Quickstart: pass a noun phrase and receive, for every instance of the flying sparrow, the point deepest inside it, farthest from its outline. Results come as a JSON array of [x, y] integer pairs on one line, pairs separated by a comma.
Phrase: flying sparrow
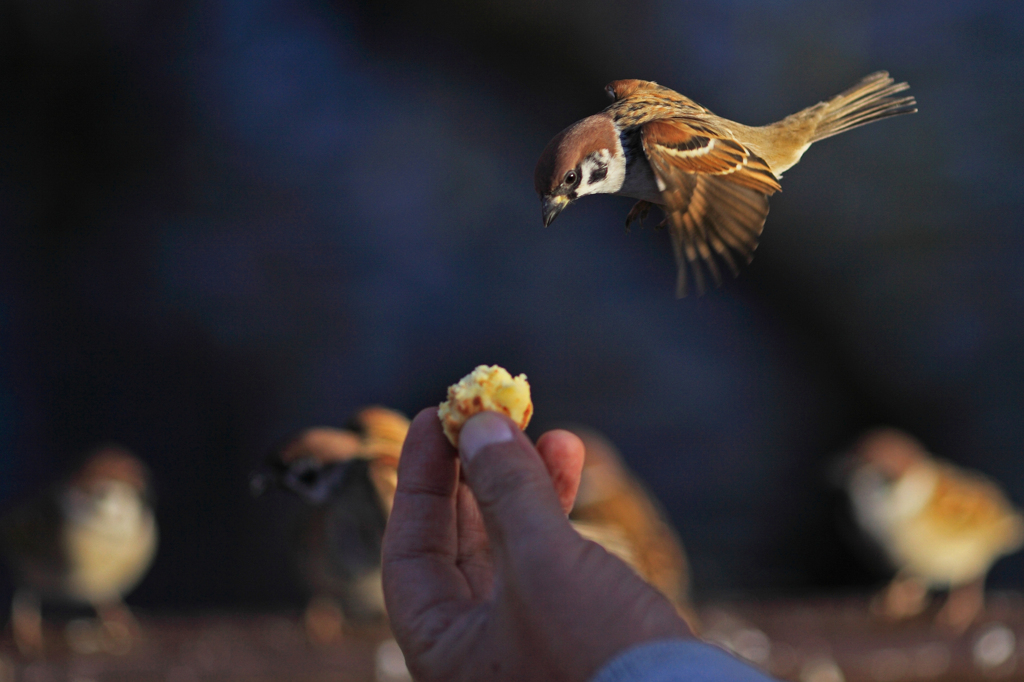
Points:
[[89, 540], [615, 510], [941, 526], [711, 176], [347, 477]]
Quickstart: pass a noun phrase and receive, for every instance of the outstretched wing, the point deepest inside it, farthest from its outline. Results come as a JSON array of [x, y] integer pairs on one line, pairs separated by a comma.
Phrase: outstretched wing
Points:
[[715, 192]]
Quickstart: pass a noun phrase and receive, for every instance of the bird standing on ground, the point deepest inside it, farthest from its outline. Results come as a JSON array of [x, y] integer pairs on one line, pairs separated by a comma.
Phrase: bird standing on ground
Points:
[[615, 510], [710, 175], [940, 525], [89, 540], [348, 478]]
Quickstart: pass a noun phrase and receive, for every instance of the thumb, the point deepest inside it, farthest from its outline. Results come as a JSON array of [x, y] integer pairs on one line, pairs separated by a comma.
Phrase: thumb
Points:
[[511, 485]]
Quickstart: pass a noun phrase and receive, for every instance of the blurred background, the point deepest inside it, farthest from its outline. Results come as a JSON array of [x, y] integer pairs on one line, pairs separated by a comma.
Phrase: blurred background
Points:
[[223, 221]]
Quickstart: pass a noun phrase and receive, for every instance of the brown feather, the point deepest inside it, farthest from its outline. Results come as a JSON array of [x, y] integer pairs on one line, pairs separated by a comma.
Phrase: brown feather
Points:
[[628, 87], [618, 512], [714, 201], [682, 147], [869, 100]]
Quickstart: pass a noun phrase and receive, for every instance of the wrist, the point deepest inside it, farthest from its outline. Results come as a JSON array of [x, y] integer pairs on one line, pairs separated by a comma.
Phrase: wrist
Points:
[[670, 660]]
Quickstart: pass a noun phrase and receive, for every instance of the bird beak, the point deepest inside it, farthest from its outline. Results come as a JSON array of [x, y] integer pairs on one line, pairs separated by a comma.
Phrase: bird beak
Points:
[[291, 478], [551, 206], [262, 480]]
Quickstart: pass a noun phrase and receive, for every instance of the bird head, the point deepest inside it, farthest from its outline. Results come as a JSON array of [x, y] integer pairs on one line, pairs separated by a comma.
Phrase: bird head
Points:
[[315, 463], [585, 158], [111, 463], [891, 452], [310, 465], [110, 490]]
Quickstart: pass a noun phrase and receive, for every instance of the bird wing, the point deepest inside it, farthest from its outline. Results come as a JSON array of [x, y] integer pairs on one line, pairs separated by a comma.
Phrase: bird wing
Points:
[[967, 503], [715, 191], [31, 538], [623, 89]]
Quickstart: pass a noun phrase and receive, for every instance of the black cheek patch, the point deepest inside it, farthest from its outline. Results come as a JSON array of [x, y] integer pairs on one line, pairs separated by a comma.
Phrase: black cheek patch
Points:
[[599, 174]]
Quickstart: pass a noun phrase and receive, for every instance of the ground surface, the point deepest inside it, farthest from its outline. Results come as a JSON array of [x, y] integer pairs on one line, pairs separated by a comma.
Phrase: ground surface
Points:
[[833, 640]]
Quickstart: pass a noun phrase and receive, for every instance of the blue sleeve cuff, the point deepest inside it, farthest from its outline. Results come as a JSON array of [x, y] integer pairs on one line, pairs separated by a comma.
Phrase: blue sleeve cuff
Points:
[[677, 660]]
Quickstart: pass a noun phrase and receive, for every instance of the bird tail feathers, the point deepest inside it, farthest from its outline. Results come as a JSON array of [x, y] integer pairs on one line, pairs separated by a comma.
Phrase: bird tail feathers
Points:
[[872, 99]]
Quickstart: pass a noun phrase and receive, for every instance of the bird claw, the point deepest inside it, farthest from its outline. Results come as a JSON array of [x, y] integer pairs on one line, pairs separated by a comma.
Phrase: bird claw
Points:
[[27, 624], [904, 597], [638, 213], [324, 620], [119, 625], [963, 605]]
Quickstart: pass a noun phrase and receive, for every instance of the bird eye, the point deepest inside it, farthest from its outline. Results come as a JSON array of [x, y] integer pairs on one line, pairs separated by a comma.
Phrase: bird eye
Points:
[[570, 178], [303, 472]]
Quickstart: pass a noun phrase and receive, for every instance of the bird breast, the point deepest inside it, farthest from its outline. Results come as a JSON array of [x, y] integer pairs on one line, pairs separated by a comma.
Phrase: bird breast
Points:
[[108, 558], [639, 181], [942, 526]]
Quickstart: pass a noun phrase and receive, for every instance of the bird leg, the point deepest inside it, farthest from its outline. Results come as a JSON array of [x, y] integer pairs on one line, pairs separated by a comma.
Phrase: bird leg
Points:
[[324, 620], [905, 597], [638, 213], [27, 624], [962, 606], [119, 625]]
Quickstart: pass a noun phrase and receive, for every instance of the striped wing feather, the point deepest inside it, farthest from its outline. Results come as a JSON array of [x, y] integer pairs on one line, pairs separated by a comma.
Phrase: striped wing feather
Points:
[[715, 191]]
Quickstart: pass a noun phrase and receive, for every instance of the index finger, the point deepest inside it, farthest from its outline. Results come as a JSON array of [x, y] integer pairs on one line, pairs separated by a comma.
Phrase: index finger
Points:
[[421, 537]]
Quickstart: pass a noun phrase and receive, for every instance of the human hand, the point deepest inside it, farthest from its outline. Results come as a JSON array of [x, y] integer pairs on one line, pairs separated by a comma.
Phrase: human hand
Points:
[[485, 579]]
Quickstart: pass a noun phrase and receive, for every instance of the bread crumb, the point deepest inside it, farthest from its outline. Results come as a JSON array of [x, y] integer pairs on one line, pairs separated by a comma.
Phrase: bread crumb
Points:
[[485, 389]]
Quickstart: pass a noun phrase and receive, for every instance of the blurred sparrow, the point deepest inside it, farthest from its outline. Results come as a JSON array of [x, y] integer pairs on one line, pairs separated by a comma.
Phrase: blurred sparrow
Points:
[[89, 540], [940, 525], [348, 478], [614, 510], [711, 176]]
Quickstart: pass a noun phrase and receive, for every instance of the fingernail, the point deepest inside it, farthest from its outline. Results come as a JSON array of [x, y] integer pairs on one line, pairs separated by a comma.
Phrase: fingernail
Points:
[[480, 431]]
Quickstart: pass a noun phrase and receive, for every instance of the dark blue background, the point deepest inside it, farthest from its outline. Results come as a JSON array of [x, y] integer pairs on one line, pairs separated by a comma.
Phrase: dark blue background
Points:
[[221, 221]]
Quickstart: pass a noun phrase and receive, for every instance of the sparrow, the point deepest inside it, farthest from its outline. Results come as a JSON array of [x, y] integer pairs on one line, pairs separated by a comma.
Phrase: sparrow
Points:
[[711, 176], [88, 540], [940, 525], [614, 509], [347, 478]]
